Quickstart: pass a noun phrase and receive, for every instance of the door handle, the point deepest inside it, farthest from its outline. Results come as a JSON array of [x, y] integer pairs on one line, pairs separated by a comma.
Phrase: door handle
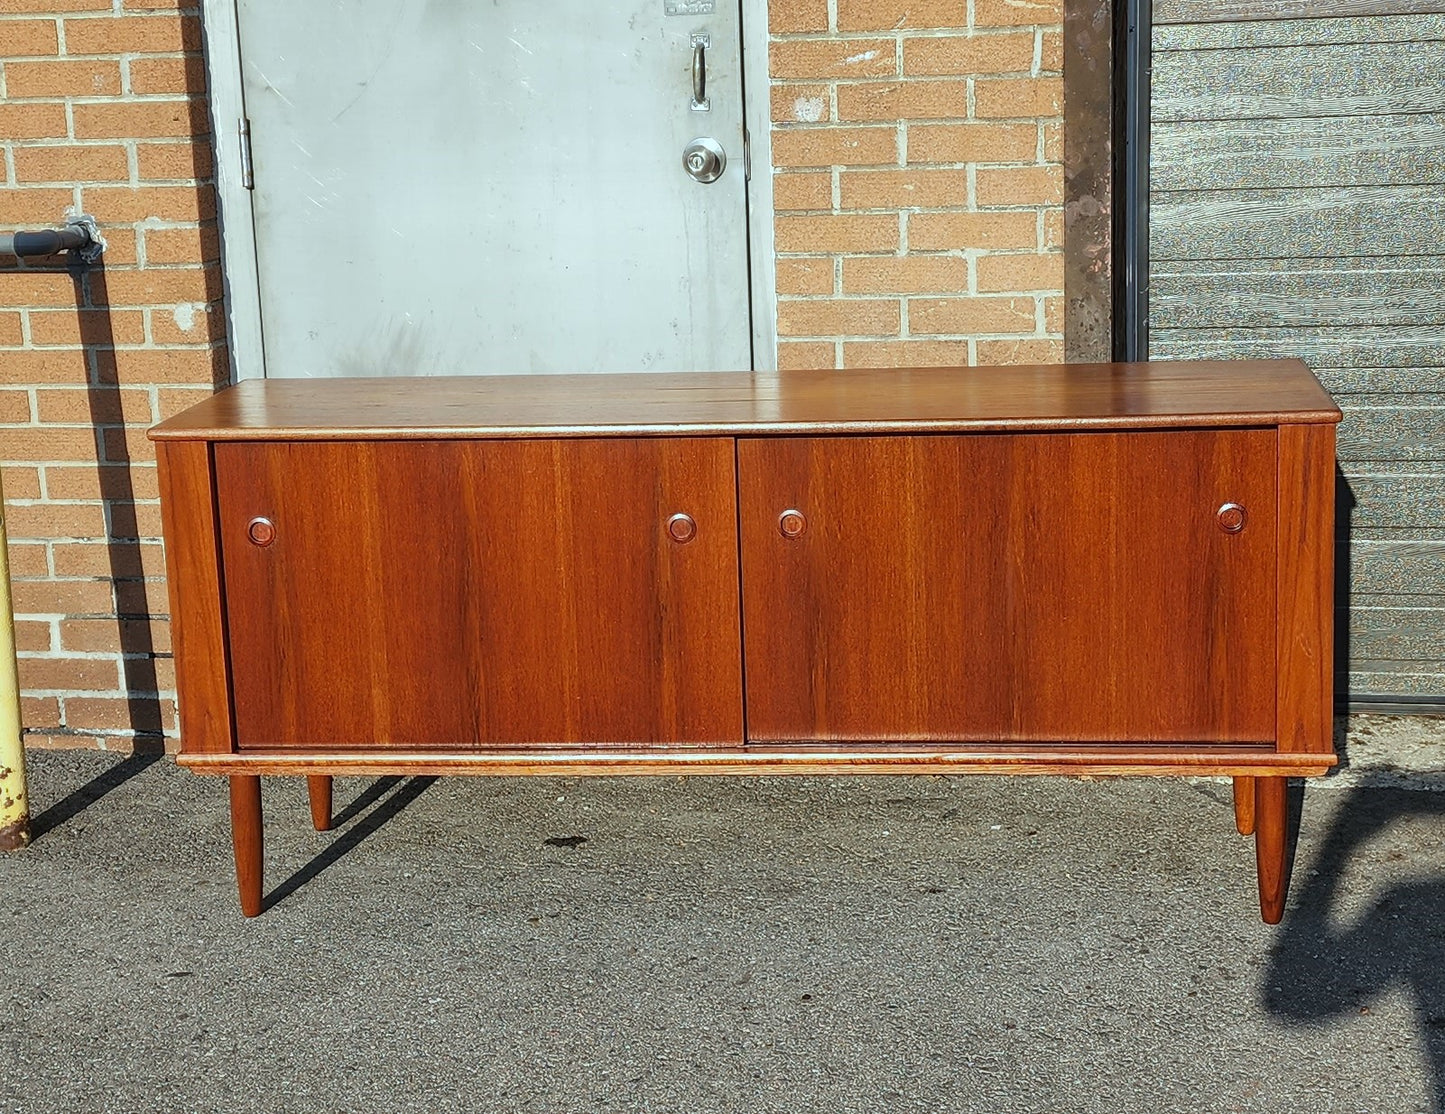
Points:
[[700, 43]]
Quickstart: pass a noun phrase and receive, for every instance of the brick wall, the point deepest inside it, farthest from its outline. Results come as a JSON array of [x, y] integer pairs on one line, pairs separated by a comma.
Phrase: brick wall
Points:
[[918, 185], [102, 111], [919, 221]]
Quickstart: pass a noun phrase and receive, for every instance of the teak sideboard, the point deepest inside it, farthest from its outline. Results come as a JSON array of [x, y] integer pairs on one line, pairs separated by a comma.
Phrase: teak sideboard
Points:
[[1081, 569]]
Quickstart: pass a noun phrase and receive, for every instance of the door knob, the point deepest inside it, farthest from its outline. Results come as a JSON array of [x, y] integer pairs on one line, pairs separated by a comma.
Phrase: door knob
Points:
[[704, 159], [682, 528], [791, 523]]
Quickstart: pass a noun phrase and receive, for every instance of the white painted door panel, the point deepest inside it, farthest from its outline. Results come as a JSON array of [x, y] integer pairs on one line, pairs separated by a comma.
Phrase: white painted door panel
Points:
[[464, 187]]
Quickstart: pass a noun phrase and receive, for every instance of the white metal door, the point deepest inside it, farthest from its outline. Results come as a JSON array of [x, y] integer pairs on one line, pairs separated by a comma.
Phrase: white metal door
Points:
[[452, 187]]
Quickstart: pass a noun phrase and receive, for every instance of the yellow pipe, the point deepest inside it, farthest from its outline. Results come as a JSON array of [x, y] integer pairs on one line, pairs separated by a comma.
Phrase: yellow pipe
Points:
[[14, 804]]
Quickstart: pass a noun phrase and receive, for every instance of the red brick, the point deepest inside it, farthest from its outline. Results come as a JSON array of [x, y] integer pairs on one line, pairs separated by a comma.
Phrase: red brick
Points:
[[805, 276], [878, 15], [168, 75], [75, 162], [44, 521], [811, 59], [137, 203], [970, 316], [128, 445], [170, 401], [966, 55], [902, 189], [902, 100], [141, 597], [174, 161], [1052, 55], [207, 324], [32, 121], [1018, 13], [1021, 351], [960, 143], [805, 355], [48, 443], [802, 191], [144, 366], [792, 16], [851, 317], [1021, 185], [799, 104], [116, 713], [8, 7], [164, 286], [90, 326], [47, 365], [194, 244], [835, 146], [32, 636], [158, 34], [69, 674], [831, 233], [33, 205], [1018, 96], [10, 333], [29, 38], [109, 481], [39, 711], [22, 481], [121, 559], [906, 353], [113, 635], [14, 410], [147, 673], [955, 231], [149, 119], [62, 79], [1021, 272], [905, 275], [28, 559]]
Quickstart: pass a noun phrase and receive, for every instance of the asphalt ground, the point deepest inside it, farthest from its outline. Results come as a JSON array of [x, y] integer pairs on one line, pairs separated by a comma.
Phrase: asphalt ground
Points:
[[719, 944]]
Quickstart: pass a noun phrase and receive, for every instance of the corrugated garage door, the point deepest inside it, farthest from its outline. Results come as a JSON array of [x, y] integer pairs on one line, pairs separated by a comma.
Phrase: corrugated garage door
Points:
[[1297, 207]]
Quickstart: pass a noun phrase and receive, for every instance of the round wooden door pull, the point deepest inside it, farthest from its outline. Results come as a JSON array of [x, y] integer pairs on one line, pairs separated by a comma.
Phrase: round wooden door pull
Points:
[[791, 523], [261, 531], [1231, 518], [682, 528]]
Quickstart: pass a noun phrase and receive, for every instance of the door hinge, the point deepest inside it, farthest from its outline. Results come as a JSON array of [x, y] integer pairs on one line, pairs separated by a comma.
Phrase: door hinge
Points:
[[248, 180], [747, 156]]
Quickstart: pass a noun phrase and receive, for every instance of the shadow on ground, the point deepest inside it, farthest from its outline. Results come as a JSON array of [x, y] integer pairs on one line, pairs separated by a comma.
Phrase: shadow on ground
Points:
[[1325, 964]]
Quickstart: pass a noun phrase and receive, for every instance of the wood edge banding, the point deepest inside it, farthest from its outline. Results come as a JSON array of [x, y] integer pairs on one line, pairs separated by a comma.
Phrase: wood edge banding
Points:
[[1239, 762]]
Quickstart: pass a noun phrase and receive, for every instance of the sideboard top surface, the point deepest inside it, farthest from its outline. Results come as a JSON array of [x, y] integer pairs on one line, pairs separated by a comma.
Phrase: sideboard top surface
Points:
[[1175, 394]]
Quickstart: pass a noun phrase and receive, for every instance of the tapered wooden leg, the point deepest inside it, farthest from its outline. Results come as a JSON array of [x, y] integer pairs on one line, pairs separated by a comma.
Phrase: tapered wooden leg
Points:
[[1270, 845], [246, 838], [318, 788], [1244, 805]]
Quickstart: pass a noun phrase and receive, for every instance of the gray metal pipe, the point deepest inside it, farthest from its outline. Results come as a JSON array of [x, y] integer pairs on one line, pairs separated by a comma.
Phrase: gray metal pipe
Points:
[[80, 235]]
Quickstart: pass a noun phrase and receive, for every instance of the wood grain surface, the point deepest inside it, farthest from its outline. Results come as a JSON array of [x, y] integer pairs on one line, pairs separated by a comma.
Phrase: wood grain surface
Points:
[[248, 840], [458, 593], [909, 400], [1037, 586], [1306, 588], [1042, 758], [1271, 845], [193, 581]]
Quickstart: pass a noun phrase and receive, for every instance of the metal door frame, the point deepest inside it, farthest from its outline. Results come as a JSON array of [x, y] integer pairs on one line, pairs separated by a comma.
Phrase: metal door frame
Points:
[[221, 31]]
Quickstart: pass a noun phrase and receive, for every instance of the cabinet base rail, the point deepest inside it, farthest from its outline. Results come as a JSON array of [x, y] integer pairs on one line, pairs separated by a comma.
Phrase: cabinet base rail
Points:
[[1096, 761]]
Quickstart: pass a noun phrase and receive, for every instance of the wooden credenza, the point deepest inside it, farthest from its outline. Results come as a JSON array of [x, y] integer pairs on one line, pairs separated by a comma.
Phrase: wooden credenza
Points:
[[1086, 569]]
